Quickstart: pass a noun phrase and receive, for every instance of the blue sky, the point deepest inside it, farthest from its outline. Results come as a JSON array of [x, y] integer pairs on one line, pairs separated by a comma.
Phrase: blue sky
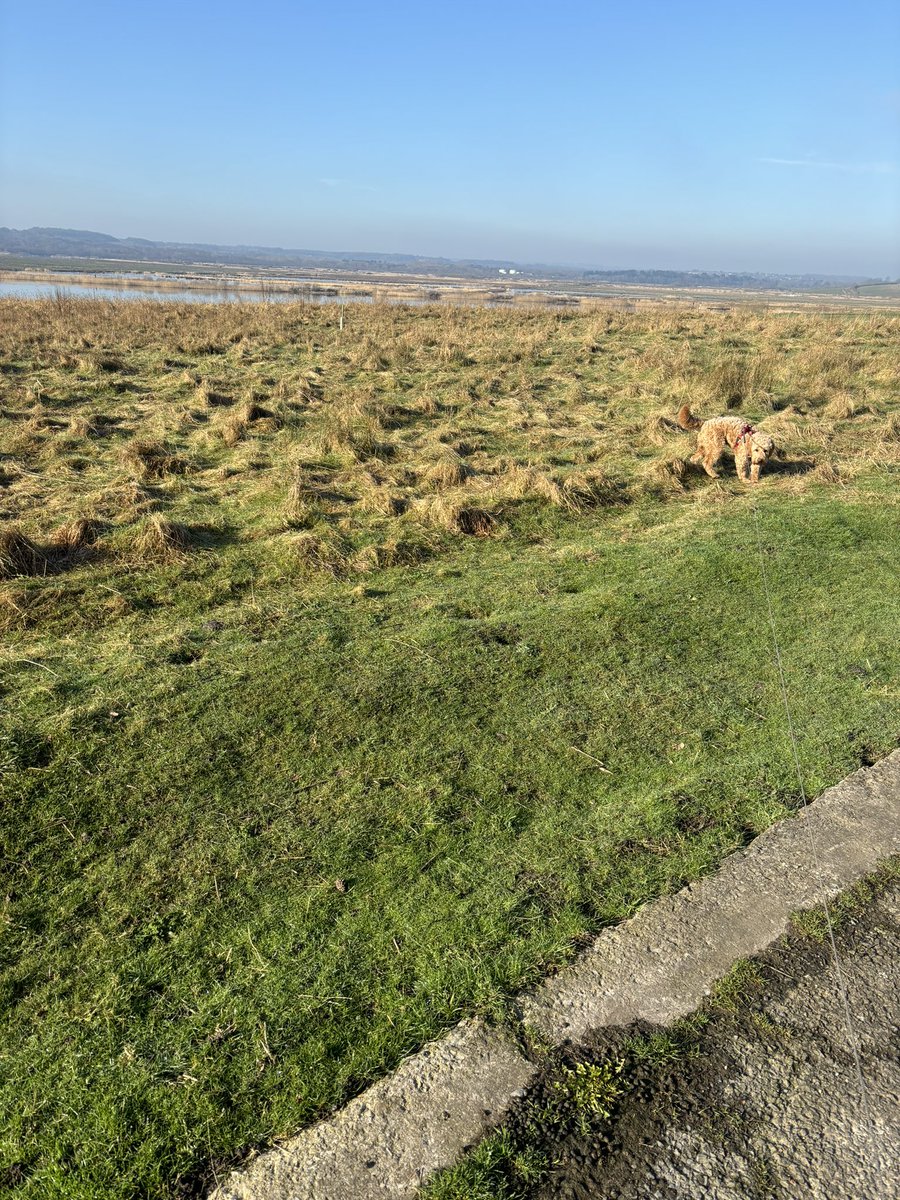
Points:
[[683, 134]]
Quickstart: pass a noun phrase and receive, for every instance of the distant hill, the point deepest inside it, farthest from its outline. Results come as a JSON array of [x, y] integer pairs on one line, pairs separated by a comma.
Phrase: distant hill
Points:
[[82, 244]]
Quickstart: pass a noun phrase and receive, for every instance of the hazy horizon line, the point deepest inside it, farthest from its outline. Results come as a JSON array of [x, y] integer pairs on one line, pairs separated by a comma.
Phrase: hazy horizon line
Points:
[[570, 265]]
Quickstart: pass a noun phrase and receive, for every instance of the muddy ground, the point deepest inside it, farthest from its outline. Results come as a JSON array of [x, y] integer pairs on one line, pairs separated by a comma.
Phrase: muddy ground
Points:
[[762, 1099]]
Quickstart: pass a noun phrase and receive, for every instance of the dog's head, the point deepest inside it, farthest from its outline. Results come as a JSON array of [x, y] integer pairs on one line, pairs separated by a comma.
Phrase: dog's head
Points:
[[761, 447]]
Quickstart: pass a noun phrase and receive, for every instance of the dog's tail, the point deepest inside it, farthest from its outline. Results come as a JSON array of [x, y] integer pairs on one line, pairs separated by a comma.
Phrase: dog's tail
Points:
[[686, 418]]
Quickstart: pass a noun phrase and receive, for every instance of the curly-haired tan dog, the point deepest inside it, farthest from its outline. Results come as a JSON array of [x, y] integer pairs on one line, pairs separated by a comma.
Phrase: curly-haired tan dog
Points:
[[749, 445]]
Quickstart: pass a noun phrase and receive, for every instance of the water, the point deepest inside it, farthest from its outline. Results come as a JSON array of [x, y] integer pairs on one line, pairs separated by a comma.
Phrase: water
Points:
[[28, 290], [119, 287]]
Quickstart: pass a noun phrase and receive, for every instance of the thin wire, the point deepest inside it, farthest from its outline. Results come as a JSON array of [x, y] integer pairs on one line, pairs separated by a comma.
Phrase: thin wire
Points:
[[842, 986]]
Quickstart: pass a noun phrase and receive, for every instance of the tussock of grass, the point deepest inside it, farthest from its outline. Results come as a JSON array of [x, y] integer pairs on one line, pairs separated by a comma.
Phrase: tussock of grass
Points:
[[661, 429], [82, 427], [22, 445], [477, 522], [370, 356], [451, 471], [404, 551], [236, 425], [320, 552], [453, 354], [515, 481], [669, 473], [354, 427], [841, 408], [19, 555], [90, 364], [13, 607], [384, 501], [125, 501], [591, 488], [74, 535], [733, 381], [301, 496], [39, 419], [247, 417], [829, 472], [458, 517], [152, 459], [158, 540]]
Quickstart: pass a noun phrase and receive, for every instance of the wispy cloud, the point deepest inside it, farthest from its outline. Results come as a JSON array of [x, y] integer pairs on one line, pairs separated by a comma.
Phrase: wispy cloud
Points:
[[876, 168], [347, 184]]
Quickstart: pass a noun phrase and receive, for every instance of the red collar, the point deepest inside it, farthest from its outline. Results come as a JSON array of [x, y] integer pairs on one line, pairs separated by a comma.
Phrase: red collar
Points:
[[746, 431]]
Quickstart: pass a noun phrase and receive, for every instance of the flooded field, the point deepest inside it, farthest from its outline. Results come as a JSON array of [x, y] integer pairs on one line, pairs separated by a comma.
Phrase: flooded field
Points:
[[131, 290], [412, 291]]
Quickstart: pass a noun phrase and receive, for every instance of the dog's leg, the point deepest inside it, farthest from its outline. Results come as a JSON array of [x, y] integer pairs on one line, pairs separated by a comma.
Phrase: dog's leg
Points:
[[709, 466], [709, 451], [712, 452], [741, 462], [754, 472]]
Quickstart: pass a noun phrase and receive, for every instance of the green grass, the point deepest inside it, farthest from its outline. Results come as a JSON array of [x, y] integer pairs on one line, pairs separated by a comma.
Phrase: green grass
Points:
[[817, 922], [271, 820], [498, 1168], [517, 1155]]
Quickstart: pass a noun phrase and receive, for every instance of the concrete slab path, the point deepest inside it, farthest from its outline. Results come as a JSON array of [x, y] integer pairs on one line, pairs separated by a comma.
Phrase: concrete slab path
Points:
[[656, 967]]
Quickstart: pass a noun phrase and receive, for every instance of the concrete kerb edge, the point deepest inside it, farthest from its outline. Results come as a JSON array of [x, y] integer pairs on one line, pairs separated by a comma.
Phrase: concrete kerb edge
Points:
[[658, 966]]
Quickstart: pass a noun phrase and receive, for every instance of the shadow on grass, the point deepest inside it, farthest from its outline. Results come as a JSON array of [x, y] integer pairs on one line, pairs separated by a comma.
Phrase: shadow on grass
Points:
[[790, 466]]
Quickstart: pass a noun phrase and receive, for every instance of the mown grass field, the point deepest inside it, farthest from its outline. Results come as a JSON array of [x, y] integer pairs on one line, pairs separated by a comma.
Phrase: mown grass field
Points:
[[349, 676]]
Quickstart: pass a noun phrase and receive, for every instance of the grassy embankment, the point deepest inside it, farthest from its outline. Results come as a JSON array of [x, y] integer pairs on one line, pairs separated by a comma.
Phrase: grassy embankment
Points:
[[319, 645]]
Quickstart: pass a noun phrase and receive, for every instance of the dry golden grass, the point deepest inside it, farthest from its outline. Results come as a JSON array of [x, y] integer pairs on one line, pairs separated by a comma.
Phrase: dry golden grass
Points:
[[456, 516], [669, 473], [301, 494], [383, 500], [74, 535], [158, 540], [18, 554], [153, 418], [321, 552], [83, 427], [591, 488], [841, 407], [661, 429], [152, 459], [450, 471], [248, 418], [515, 481]]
